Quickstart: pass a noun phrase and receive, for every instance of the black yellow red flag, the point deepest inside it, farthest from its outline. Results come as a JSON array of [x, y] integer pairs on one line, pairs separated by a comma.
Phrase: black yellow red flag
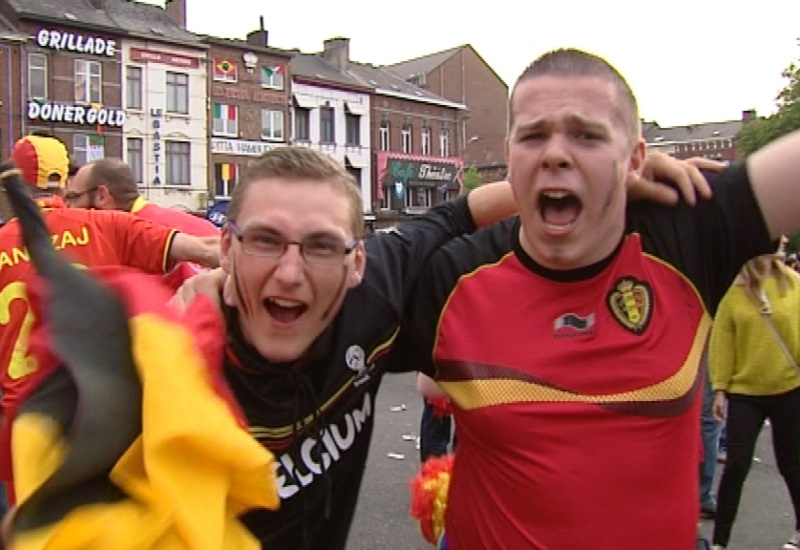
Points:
[[127, 436]]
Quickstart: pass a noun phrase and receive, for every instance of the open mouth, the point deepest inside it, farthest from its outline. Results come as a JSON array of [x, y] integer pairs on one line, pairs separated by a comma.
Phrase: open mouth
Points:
[[559, 209], [284, 311]]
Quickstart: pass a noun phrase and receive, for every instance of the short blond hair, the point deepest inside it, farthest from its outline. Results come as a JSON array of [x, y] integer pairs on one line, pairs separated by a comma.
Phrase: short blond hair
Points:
[[295, 163]]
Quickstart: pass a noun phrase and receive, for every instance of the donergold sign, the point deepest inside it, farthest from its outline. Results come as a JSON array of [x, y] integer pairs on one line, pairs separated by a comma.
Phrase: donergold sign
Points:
[[76, 114]]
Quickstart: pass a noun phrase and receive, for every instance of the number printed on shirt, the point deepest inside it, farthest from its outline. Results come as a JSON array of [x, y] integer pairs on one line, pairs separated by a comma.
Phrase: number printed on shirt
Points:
[[21, 364]]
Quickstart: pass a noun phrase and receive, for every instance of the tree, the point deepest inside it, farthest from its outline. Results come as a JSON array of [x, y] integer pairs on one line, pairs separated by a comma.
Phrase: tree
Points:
[[472, 178], [757, 133]]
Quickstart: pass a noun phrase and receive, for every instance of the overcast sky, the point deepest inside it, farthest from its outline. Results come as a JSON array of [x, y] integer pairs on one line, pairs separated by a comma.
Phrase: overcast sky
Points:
[[688, 61]]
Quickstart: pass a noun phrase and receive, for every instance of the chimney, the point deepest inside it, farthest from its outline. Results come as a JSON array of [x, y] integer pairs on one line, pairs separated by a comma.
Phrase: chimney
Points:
[[748, 115], [337, 52], [176, 10], [259, 37]]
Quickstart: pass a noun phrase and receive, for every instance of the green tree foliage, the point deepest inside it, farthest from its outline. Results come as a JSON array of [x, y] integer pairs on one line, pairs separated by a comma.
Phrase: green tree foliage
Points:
[[472, 178], [759, 132]]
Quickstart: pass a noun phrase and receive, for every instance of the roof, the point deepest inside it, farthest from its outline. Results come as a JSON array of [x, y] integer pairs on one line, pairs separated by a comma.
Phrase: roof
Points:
[[388, 83], [653, 133], [314, 67], [8, 30], [422, 65], [123, 17], [149, 21], [80, 13], [245, 45]]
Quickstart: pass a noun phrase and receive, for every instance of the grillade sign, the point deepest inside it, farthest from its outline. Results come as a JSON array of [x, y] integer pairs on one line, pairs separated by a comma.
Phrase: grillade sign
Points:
[[76, 43]]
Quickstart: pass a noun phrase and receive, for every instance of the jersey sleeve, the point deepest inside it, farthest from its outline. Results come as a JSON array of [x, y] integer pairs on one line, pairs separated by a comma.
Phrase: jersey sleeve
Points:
[[711, 241], [141, 243], [395, 259]]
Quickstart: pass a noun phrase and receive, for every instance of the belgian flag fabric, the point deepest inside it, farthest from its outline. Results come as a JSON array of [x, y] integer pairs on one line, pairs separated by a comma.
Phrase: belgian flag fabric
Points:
[[128, 437]]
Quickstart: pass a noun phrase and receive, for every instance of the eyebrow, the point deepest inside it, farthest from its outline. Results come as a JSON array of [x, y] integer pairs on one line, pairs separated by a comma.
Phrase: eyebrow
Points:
[[572, 119], [263, 228]]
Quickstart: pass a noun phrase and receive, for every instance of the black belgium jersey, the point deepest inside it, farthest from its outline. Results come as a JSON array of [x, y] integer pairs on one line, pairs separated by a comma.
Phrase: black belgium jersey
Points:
[[317, 416]]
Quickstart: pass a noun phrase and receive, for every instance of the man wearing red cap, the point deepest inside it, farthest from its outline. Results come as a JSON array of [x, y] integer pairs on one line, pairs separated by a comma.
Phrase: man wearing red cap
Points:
[[109, 184], [90, 238]]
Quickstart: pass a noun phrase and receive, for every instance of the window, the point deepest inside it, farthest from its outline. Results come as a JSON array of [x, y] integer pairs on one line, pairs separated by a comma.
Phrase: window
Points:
[[226, 120], [383, 136], [177, 93], [426, 140], [88, 81], [87, 148], [386, 197], [178, 163], [444, 143], [272, 77], [271, 124], [302, 121], [134, 87], [135, 158], [418, 197], [225, 178], [37, 76], [405, 135], [451, 194], [353, 126], [326, 127], [356, 173]]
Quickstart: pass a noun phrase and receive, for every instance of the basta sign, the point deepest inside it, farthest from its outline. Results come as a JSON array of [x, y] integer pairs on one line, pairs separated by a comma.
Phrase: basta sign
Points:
[[77, 43], [76, 114]]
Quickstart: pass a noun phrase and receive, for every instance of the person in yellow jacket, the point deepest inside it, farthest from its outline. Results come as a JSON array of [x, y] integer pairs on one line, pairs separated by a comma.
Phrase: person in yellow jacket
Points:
[[753, 368]]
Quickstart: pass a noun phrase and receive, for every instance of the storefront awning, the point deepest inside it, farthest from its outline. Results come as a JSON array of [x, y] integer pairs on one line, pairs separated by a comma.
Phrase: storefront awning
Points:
[[357, 161], [354, 108], [304, 101]]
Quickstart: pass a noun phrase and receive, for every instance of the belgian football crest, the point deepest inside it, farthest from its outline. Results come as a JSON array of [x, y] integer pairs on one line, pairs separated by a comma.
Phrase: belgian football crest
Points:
[[631, 303]]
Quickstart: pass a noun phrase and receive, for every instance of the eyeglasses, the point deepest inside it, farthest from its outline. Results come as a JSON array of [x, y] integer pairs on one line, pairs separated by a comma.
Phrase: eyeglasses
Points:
[[322, 250], [72, 196]]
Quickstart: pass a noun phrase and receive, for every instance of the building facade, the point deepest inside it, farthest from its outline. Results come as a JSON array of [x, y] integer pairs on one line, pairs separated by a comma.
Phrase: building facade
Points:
[[248, 114], [713, 140], [462, 76], [11, 94], [417, 146], [71, 84], [165, 124], [331, 113]]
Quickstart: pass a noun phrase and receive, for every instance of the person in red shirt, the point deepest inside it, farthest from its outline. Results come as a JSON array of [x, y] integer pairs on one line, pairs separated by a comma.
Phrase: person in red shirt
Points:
[[88, 238], [109, 184]]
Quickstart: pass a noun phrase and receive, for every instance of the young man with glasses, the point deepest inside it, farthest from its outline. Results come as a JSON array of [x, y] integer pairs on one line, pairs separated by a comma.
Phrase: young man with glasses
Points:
[[311, 311]]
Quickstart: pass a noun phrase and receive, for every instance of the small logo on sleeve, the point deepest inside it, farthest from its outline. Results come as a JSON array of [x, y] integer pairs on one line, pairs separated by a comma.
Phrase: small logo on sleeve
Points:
[[631, 304]]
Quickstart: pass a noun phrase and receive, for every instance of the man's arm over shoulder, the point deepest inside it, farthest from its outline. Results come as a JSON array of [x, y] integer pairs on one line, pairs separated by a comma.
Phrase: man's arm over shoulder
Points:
[[153, 247], [774, 172]]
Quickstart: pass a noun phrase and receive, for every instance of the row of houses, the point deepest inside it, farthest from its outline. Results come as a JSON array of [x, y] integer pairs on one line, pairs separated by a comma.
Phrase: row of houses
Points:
[[187, 111]]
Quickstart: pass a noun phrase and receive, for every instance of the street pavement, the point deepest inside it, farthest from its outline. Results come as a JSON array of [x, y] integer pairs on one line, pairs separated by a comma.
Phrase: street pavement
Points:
[[382, 521]]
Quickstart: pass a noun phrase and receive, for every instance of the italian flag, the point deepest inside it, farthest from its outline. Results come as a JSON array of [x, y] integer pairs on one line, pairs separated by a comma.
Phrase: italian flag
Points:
[[224, 112], [270, 71]]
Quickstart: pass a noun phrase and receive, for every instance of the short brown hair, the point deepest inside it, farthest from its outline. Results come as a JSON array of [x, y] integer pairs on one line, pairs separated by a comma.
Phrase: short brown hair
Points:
[[577, 63], [300, 163], [117, 177]]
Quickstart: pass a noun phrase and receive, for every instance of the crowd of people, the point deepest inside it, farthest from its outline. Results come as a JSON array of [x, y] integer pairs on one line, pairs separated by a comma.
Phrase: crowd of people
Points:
[[564, 322]]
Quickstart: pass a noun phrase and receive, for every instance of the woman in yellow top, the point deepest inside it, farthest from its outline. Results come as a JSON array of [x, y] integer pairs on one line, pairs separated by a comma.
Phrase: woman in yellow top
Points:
[[757, 380]]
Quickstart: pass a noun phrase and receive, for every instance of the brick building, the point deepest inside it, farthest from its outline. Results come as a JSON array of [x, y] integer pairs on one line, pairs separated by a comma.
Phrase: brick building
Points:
[[461, 75], [71, 77], [714, 140], [417, 144], [11, 94], [250, 90]]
